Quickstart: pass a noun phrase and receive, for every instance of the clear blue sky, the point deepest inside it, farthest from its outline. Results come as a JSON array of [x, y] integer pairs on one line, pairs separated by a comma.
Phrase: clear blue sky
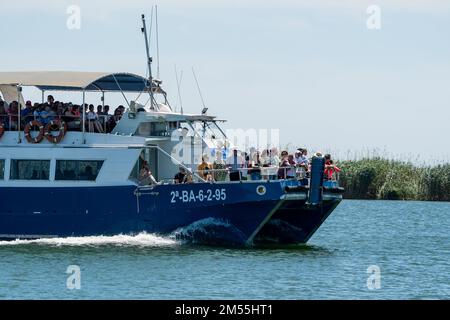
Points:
[[310, 68]]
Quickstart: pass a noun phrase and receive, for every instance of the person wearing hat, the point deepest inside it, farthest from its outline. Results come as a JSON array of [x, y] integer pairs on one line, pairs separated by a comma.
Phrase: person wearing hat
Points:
[[298, 155], [301, 157], [302, 162], [27, 113]]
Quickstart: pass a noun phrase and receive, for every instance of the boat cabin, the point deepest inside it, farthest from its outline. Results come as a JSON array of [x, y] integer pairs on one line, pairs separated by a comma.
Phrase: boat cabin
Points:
[[152, 131]]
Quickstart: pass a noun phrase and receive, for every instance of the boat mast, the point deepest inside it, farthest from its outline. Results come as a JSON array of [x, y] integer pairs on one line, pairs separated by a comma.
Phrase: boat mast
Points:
[[149, 59]]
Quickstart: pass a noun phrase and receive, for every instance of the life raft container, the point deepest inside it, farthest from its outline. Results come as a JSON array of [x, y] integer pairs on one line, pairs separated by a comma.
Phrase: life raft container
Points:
[[28, 128], [55, 125]]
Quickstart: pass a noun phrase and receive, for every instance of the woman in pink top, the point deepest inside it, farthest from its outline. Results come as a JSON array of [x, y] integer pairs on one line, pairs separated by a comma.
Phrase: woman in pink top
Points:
[[330, 169]]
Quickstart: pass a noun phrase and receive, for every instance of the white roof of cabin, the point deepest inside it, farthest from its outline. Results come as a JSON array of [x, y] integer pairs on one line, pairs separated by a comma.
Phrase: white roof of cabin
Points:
[[70, 80]]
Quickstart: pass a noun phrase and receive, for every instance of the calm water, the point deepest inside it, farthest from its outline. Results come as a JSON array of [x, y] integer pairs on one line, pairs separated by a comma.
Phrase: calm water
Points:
[[409, 241]]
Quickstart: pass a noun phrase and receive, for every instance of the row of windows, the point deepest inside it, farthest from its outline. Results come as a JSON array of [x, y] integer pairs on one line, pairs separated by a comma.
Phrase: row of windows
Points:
[[66, 170]]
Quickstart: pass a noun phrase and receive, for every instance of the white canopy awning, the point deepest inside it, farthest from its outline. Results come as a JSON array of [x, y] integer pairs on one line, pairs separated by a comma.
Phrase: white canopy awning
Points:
[[77, 81], [10, 93]]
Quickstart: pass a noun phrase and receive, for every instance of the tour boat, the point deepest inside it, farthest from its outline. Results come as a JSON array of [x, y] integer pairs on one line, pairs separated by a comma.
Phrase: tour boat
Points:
[[61, 180]]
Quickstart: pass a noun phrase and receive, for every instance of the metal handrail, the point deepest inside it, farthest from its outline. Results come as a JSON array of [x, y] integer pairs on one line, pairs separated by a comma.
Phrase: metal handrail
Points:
[[246, 172], [8, 126], [299, 173]]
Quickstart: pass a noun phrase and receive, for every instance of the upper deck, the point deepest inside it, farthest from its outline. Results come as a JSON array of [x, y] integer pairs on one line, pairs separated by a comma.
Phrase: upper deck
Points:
[[157, 121]]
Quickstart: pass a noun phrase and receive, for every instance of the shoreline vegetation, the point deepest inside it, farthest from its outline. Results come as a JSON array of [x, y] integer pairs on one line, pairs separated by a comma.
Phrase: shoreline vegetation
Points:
[[382, 179]]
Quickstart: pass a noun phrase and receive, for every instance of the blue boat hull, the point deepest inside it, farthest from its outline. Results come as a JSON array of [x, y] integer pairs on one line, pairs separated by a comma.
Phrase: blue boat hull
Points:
[[229, 213], [87, 211]]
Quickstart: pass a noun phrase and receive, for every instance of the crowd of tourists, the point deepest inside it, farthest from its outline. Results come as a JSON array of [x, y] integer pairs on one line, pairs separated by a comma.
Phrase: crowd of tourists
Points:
[[266, 165], [97, 119]]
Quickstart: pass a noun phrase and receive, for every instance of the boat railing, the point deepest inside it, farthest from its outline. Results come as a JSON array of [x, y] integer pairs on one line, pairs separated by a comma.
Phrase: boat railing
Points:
[[8, 122], [271, 173], [333, 181], [253, 174], [73, 122]]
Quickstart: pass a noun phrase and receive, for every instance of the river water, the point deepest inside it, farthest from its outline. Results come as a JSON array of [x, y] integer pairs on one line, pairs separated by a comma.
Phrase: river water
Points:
[[365, 250]]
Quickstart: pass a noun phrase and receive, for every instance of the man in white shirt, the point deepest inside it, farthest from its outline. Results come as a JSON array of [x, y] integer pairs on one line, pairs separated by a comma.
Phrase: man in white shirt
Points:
[[301, 157], [234, 161]]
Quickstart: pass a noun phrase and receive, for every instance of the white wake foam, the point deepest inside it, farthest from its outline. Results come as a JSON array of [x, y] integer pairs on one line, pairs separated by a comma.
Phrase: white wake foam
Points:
[[142, 240]]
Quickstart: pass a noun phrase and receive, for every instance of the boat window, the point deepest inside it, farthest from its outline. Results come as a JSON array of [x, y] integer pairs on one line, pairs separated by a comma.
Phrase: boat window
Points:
[[30, 169], [156, 129], [75, 170], [2, 169]]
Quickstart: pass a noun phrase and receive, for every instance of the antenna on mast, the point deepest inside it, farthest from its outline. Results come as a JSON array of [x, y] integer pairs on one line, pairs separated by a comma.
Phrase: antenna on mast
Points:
[[157, 42], [205, 109], [150, 33], [178, 86], [149, 59]]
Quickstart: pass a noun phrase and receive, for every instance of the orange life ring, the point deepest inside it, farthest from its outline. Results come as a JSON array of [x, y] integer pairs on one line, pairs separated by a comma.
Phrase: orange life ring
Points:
[[27, 130], [2, 130], [61, 126]]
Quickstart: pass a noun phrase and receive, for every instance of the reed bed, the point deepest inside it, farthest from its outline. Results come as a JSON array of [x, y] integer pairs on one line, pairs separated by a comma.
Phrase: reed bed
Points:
[[378, 178]]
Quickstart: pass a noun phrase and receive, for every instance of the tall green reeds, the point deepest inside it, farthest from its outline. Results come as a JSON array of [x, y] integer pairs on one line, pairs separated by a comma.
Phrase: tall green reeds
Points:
[[379, 178]]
